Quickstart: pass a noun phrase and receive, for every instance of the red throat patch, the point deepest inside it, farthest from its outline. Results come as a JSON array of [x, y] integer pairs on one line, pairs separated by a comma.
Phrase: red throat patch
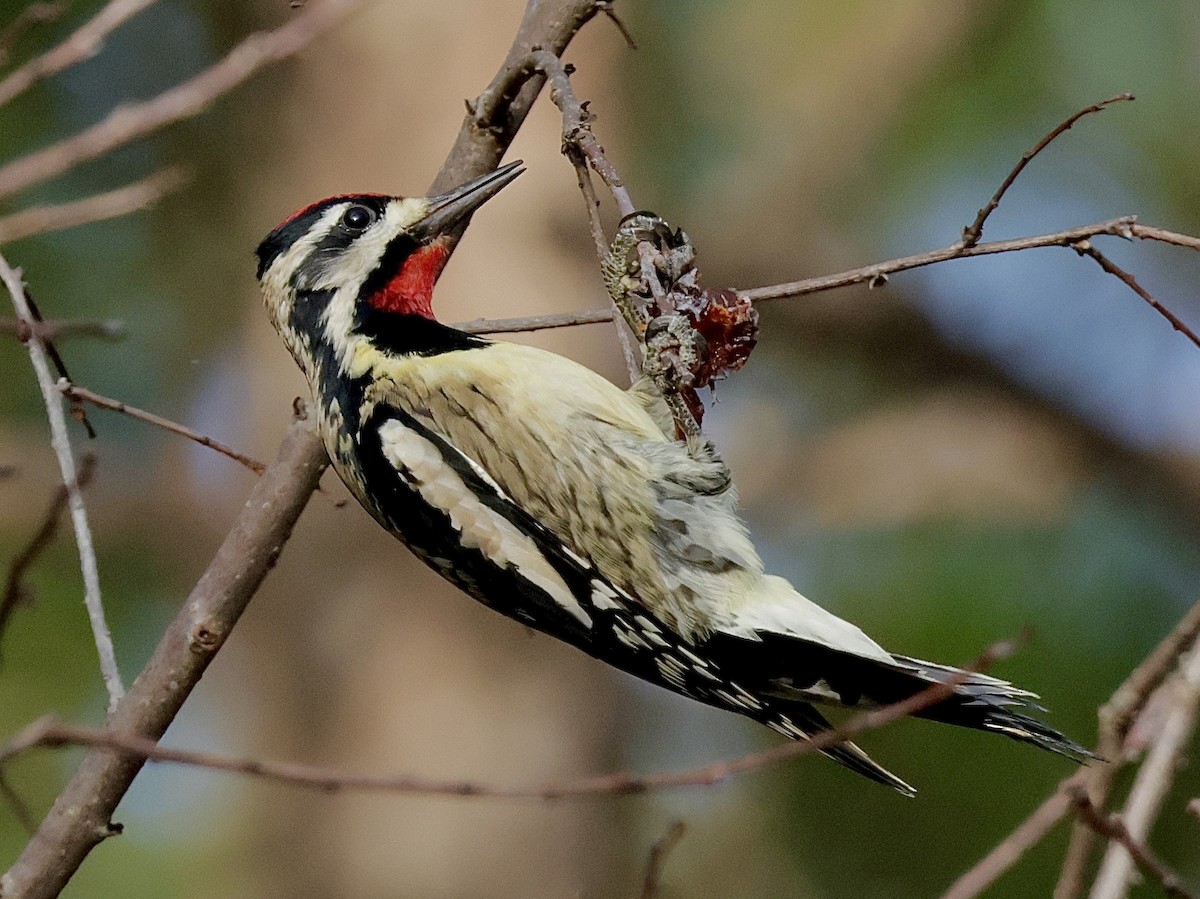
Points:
[[411, 290]]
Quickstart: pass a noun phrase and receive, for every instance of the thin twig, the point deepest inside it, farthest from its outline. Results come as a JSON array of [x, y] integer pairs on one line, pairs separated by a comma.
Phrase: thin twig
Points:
[[536, 322], [974, 231], [80, 817], [31, 16], [577, 128], [1149, 232], [84, 395], [1116, 717], [19, 809], [625, 338], [590, 200], [136, 120], [1120, 227], [98, 208], [1125, 227], [1009, 851], [1085, 248], [15, 590], [82, 812], [658, 858], [64, 329], [61, 442], [606, 7], [84, 43], [1153, 781], [1145, 858], [48, 732]]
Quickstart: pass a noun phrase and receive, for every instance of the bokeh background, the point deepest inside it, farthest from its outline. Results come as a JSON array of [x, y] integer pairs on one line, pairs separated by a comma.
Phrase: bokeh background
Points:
[[975, 448]]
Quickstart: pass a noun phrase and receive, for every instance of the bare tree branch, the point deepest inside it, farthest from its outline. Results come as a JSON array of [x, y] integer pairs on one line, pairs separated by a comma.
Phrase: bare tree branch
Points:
[[61, 442], [1009, 851], [974, 231], [98, 208], [658, 858], [1132, 847], [496, 115], [1126, 227], [36, 13], [1150, 787], [81, 816], [83, 44], [129, 123], [83, 394], [1085, 248], [47, 732], [1116, 717], [15, 590], [63, 329], [577, 127]]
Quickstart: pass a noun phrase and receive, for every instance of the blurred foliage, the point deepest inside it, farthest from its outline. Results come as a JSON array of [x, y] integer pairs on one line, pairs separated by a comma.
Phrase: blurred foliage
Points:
[[1102, 582]]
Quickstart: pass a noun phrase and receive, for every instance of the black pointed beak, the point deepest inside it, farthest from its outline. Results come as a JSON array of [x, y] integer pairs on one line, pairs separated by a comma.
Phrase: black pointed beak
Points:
[[452, 209]]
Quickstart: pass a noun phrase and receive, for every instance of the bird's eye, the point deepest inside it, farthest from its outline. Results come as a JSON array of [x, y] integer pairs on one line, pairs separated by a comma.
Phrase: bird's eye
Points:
[[358, 218]]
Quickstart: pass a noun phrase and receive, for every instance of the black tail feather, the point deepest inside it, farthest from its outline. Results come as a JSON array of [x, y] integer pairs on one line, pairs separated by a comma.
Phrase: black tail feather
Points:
[[802, 721], [790, 673], [988, 703]]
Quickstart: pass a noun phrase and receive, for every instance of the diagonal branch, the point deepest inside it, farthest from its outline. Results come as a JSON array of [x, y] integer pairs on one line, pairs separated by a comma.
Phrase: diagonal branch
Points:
[[15, 590], [39, 12], [129, 123], [84, 43], [47, 732], [80, 818], [75, 392], [81, 815], [1085, 248], [61, 442], [974, 231], [1119, 835], [109, 205], [1116, 718], [1153, 781], [658, 858], [1009, 851]]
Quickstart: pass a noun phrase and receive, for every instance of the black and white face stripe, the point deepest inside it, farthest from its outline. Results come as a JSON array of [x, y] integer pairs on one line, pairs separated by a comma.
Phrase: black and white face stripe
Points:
[[333, 232]]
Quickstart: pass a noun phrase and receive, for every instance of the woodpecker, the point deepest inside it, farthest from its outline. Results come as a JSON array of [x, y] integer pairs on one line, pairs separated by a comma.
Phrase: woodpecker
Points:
[[562, 501]]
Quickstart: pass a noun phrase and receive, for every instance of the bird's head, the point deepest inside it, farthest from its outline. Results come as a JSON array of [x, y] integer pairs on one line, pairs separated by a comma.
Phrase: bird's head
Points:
[[354, 263]]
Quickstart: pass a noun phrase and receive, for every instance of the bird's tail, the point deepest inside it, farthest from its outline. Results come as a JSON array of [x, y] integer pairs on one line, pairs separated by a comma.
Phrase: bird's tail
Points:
[[983, 703], [802, 721], [789, 673]]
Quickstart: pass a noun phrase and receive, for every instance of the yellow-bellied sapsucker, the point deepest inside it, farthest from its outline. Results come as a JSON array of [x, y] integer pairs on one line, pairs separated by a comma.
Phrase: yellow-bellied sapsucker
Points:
[[551, 495]]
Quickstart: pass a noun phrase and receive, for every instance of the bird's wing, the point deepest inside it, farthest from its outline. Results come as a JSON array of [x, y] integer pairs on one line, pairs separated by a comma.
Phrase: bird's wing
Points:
[[586, 460], [474, 532]]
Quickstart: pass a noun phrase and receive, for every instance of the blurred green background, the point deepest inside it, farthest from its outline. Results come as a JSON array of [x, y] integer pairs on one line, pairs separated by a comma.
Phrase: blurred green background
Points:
[[975, 448]]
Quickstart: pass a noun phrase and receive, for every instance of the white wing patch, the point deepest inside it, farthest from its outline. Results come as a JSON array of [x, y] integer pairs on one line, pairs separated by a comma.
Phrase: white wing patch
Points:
[[482, 528], [778, 607]]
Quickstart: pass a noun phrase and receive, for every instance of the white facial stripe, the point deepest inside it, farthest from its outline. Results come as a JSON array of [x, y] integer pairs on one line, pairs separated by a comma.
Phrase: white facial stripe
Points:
[[354, 266], [482, 528], [288, 262], [362, 257]]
